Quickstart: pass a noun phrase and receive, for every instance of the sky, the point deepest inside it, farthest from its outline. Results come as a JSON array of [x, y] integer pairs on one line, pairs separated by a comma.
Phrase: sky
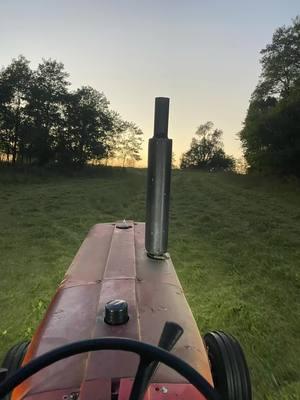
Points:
[[203, 54]]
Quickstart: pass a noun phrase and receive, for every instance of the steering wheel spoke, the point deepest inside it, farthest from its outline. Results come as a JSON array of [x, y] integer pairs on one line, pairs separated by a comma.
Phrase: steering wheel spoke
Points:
[[142, 378], [169, 337]]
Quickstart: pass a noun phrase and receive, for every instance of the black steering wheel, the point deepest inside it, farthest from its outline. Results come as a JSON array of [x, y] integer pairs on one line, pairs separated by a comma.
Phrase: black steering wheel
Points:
[[150, 356]]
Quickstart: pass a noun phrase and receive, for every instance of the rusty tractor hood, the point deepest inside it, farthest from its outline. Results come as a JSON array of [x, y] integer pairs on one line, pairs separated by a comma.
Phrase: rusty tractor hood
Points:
[[112, 264]]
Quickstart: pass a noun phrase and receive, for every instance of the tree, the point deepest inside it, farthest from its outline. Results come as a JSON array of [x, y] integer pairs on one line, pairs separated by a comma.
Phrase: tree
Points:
[[87, 121], [241, 165], [129, 143], [112, 137], [280, 62], [15, 82], [270, 136], [206, 151], [42, 122], [48, 94]]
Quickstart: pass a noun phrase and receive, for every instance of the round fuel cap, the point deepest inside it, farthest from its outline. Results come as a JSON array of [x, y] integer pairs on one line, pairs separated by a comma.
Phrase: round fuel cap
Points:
[[116, 312]]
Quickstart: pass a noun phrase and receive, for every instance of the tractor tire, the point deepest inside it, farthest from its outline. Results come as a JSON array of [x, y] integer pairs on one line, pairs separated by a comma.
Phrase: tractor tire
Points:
[[13, 360], [229, 369]]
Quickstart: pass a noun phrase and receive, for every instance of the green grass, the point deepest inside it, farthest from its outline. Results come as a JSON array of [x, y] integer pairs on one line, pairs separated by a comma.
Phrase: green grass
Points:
[[234, 241]]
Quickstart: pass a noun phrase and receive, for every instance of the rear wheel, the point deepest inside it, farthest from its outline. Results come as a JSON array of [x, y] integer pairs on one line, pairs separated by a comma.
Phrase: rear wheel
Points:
[[13, 360], [228, 366]]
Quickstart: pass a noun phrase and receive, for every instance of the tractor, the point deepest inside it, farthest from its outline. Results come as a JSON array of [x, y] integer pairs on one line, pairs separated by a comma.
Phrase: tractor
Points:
[[119, 326]]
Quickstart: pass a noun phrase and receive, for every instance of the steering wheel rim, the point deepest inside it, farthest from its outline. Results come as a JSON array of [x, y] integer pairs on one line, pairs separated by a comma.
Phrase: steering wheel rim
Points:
[[144, 350]]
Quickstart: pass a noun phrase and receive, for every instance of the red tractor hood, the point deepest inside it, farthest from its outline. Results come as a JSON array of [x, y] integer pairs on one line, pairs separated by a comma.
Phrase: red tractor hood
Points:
[[112, 264]]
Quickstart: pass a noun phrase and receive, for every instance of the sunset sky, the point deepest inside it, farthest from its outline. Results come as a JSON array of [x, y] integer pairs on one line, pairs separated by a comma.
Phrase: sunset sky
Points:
[[204, 55]]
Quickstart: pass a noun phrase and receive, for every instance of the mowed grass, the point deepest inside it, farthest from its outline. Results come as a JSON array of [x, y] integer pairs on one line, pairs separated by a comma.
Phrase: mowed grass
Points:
[[233, 239]]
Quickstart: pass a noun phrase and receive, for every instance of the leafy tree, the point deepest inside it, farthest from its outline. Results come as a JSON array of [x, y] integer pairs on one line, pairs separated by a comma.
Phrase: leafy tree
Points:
[[206, 151], [280, 62], [14, 86], [87, 120], [129, 143], [112, 137], [241, 165], [270, 136], [46, 105]]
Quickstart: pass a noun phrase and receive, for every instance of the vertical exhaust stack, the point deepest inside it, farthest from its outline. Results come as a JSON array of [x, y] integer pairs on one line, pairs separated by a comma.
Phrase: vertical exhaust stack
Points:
[[158, 182]]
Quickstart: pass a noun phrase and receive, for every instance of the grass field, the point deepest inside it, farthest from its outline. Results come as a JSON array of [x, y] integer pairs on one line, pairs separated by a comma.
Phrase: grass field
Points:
[[234, 241]]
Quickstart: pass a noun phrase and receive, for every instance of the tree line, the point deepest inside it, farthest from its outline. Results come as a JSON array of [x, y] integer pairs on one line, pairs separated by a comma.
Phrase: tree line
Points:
[[270, 136], [42, 121], [271, 133]]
